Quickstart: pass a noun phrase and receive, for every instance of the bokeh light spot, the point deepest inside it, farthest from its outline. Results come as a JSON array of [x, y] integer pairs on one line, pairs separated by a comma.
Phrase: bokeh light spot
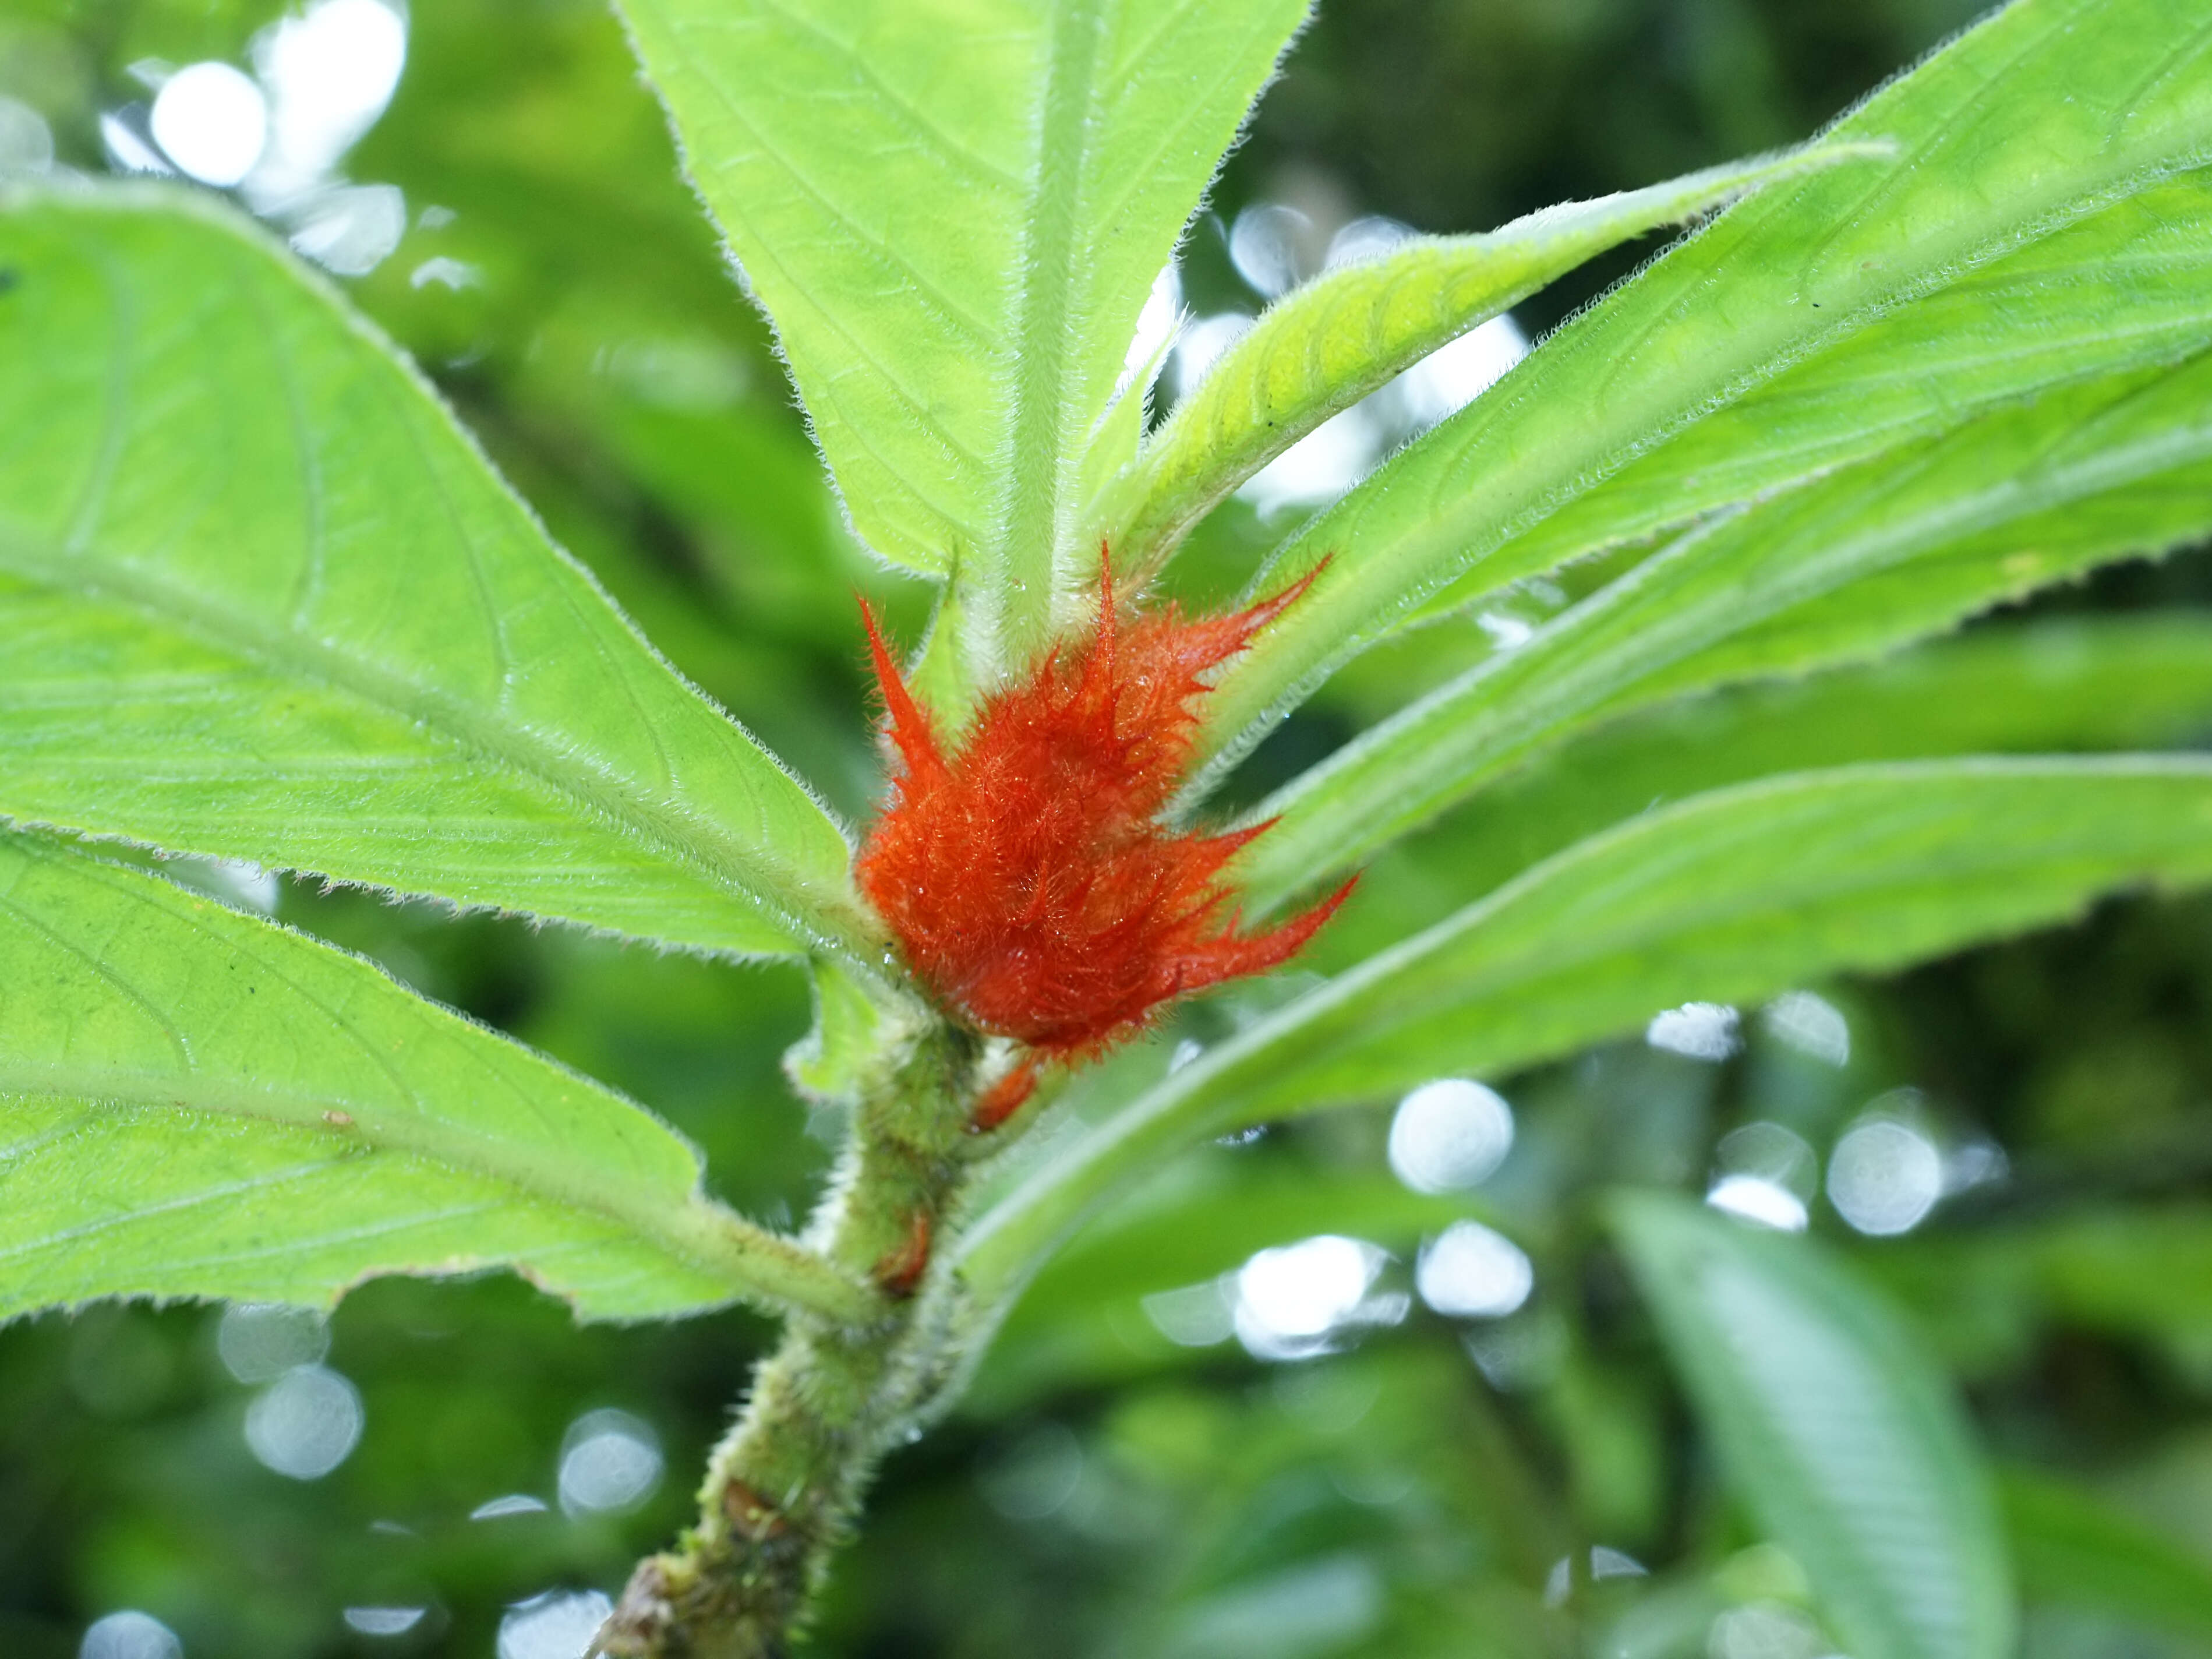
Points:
[[610, 1461], [1292, 1300], [305, 1422], [1884, 1178], [383, 1621], [259, 1341], [1811, 1024], [130, 1635], [1696, 1031], [212, 121], [1450, 1135], [1473, 1271], [558, 1625]]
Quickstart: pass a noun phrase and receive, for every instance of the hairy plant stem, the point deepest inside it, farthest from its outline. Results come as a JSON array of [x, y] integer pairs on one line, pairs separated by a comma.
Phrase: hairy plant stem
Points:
[[781, 1490]]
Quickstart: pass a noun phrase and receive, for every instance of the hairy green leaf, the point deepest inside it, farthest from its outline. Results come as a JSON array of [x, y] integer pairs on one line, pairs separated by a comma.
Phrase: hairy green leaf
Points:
[[260, 598], [1839, 570], [1331, 343], [954, 261], [2128, 287], [2050, 115], [2072, 683], [1727, 897], [1835, 1430], [194, 1102]]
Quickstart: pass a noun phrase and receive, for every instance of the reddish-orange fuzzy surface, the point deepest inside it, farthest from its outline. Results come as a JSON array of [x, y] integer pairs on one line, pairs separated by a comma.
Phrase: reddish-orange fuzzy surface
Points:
[[1027, 876]]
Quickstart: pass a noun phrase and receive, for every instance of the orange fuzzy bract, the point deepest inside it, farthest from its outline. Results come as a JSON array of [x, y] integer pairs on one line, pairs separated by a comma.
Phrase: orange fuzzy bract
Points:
[[1027, 876]]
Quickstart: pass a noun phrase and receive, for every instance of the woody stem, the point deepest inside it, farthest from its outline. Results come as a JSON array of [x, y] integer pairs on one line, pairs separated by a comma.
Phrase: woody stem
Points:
[[782, 1487]]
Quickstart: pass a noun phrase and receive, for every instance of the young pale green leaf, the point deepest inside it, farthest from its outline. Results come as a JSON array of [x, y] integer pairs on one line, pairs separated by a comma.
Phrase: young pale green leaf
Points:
[[2068, 684], [1837, 571], [2123, 289], [2074, 1549], [194, 1102], [955, 262], [1332, 342], [1836, 1431], [261, 597], [2052, 113], [1727, 896]]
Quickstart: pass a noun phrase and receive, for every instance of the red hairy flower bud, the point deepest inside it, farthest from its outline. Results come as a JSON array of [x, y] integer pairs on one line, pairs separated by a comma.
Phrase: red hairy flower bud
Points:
[[1028, 878]]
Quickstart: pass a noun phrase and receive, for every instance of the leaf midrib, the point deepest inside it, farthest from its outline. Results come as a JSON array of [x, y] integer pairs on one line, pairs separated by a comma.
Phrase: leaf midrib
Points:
[[687, 841], [1583, 681], [698, 1233], [1020, 567]]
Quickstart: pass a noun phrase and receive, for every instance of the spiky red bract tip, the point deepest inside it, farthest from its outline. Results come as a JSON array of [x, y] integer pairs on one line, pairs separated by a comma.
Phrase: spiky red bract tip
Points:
[[1028, 879]]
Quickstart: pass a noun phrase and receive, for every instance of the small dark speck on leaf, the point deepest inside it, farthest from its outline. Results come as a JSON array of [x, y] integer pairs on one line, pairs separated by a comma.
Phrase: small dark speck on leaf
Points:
[[10, 279]]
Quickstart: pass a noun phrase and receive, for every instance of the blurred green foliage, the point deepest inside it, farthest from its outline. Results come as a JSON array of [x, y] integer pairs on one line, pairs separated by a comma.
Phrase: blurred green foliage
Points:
[[1106, 1490]]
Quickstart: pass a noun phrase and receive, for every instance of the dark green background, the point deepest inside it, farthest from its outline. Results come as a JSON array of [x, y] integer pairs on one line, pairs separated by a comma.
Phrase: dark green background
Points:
[[1207, 1493]]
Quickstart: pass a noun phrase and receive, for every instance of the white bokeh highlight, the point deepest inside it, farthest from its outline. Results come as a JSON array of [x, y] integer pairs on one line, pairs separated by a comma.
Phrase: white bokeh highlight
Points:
[[1293, 1301], [305, 1422], [212, 121], [558, 1625], [1760, 1200], [1449, 1135], [329, 73], [1811, 1024], [27, 142], [130, 1635], [609, 1461], [383, 1621], [1884, 1177], [1696, 1031], [259, 1341], [1473, 1271]]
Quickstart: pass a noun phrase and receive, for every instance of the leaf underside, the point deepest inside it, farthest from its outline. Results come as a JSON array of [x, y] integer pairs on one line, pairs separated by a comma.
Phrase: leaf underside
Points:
[[304, 624], [1836, 1431], [194, 1102], [955, 264], [2018, 241]]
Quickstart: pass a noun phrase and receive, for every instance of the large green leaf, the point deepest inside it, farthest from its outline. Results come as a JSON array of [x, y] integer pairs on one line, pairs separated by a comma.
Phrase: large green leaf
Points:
[[2071, 684], [2123, 288], [2053, 113], [195, 1103], [1729, 897], [953, 210], [1334, 340], [1835, 1430], [1839, 570], [261, 597]]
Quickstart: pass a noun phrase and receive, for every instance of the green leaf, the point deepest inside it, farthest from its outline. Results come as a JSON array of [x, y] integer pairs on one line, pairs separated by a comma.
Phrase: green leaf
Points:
[[2074, 1549], [1331, 343], [1833, 1428], [1837, 571], [1727, 896], [2049, 114], [955, 263], [194, 1102], [2072, 683], [2126, 288], [261, 597]]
